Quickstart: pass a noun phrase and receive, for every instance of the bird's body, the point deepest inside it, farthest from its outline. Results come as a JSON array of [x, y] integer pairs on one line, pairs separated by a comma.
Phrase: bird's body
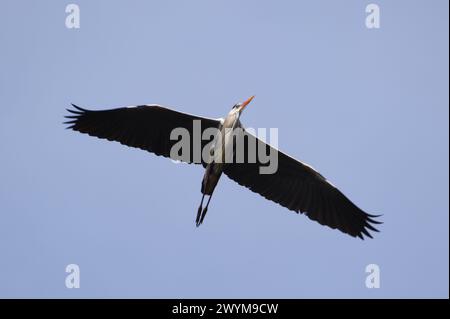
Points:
[[294, 185], [217, 158]]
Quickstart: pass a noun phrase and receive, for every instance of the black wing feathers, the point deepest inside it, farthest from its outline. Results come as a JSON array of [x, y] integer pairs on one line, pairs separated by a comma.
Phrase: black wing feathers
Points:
[[147, 127], [300, 188]]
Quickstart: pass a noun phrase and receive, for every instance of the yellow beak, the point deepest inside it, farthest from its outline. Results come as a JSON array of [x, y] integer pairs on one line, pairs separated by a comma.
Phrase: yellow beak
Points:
[[246, 103]]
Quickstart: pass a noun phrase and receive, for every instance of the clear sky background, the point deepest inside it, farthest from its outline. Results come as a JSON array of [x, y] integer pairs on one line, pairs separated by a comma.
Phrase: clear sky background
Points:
[[368, 108]]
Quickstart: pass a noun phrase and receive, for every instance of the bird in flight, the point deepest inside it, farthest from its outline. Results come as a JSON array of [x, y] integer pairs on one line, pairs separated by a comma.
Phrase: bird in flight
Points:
[[294, 184]]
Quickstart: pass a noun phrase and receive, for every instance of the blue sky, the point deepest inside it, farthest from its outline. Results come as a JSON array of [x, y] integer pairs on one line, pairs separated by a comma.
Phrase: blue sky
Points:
[[368, 108]]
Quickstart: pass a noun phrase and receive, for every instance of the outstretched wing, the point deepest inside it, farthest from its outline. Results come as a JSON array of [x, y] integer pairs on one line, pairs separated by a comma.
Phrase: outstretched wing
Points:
[[300, 188], [147, 127]]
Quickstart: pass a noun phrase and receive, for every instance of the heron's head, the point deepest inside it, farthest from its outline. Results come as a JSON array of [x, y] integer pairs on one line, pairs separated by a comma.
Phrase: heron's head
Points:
[[239, 107]]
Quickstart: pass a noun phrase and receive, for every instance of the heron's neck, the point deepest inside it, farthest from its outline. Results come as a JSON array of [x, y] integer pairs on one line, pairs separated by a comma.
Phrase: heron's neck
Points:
[[231, 120]]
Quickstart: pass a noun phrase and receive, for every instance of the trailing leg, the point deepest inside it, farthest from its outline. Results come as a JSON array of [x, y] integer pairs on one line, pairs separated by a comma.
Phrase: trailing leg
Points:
[[197, 220]]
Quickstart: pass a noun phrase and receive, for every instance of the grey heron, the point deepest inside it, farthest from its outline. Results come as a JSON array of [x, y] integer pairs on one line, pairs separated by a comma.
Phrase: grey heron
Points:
[[294, 185]]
